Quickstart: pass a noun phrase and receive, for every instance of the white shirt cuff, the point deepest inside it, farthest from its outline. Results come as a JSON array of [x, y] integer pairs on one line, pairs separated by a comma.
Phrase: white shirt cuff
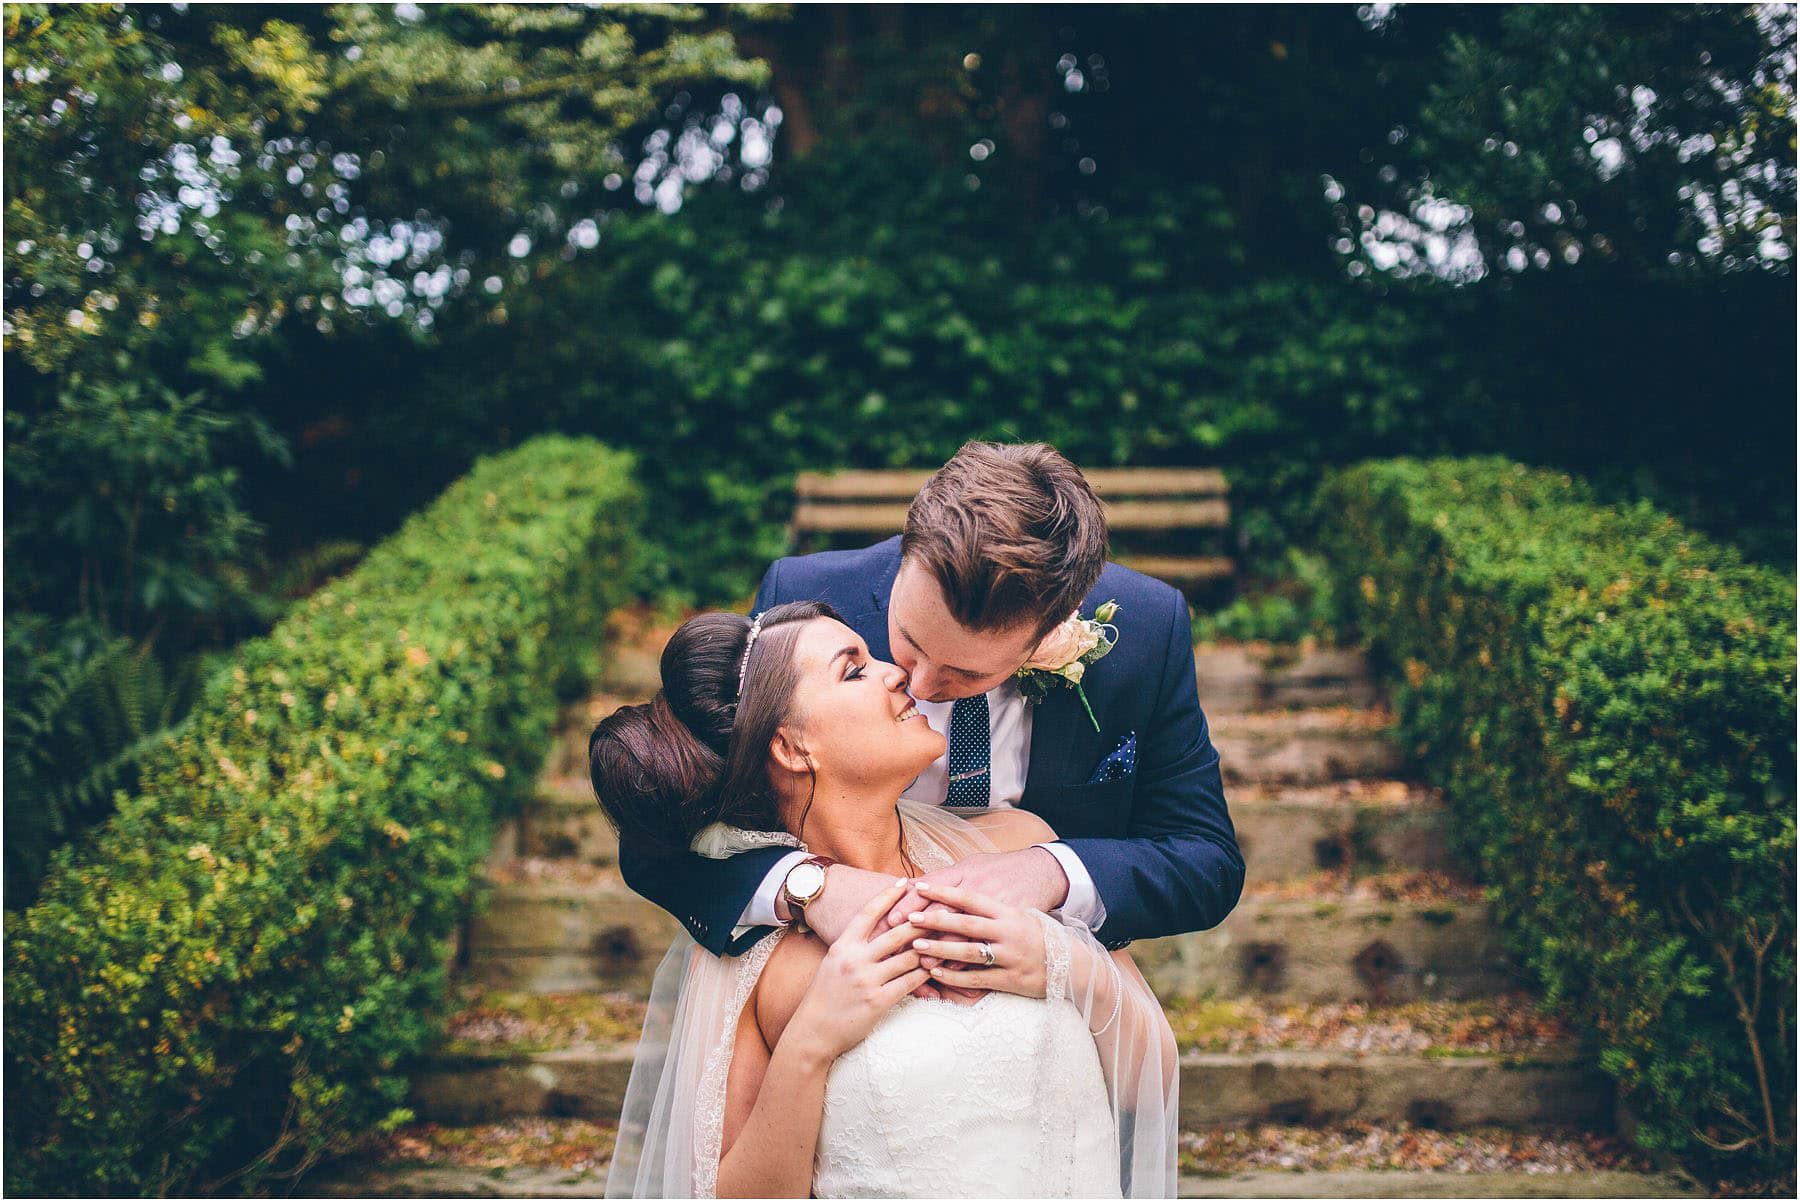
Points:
[[761, 910], [1083, 903]]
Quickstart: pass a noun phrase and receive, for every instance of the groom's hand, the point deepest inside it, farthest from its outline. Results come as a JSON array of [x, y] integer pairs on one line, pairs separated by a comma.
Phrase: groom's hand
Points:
[[1029, 877], [847, 890]]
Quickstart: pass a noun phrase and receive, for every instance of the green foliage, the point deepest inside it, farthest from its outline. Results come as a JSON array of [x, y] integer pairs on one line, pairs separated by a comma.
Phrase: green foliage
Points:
[[305, 571], [1297, 605], [1607, 699], [877, 313], [225, 980], [181, 181], [81, 709], [1657, 141], [739, 345], [136, 217], [863, 306], [183, 186], [179, 184], [504, 103], [123, 507]]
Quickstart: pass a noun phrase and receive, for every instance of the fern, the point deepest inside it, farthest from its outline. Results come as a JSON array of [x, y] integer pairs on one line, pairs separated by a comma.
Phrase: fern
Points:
[[81, 709]]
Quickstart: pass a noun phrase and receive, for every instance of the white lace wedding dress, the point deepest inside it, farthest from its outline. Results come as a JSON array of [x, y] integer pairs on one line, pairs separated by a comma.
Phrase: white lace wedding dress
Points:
[[1000, 1099], [1007, 1097]]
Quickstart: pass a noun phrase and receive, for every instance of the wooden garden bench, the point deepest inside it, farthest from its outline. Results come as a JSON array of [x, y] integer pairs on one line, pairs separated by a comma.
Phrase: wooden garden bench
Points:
[[1166, 511]]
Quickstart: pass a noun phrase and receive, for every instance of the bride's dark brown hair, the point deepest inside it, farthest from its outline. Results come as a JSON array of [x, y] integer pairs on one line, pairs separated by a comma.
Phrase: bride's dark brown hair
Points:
[[697, 753]]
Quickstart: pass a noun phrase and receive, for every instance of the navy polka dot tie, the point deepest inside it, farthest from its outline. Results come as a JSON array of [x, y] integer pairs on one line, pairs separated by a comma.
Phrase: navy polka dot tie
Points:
[[967, 759]]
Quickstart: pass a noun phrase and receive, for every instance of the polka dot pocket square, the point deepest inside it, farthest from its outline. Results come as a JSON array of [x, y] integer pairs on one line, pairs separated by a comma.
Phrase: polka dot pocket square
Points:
[[1121, 764]]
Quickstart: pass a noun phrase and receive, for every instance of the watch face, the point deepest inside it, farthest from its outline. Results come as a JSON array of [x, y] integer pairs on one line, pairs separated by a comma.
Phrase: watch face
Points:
[[805, 882]]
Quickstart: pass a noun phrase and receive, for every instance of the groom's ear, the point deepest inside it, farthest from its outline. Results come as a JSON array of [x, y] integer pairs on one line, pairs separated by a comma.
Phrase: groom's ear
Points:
[[788, 752]]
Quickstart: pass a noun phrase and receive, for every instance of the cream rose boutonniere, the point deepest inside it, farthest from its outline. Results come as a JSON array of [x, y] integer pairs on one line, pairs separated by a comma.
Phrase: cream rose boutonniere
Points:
[[1062, 656]]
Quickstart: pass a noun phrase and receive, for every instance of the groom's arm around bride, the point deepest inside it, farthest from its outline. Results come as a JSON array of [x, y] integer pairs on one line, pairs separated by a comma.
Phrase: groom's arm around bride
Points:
[[1130, 780]]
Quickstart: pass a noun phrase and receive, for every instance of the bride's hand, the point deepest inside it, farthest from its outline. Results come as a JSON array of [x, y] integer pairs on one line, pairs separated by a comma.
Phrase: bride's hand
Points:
[[1013, 932], [860, 979]]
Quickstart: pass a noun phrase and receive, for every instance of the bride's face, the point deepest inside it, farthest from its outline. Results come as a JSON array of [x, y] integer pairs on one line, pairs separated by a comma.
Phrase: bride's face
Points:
[[851, 713]]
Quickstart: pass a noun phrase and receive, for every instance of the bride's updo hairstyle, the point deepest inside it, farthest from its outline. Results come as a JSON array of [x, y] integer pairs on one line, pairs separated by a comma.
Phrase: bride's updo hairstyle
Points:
[[697, 753]]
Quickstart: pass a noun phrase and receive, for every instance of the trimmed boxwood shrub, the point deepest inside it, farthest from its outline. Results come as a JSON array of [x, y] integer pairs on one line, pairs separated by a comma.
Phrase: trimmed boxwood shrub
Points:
[[1607, 700], [223, 982]]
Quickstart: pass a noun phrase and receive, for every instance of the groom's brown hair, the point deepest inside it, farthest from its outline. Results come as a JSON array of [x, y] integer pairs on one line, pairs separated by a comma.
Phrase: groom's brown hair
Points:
[[1011, 531]]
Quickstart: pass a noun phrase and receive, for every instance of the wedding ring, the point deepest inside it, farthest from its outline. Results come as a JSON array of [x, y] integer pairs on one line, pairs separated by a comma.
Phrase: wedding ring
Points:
[[987, 955]]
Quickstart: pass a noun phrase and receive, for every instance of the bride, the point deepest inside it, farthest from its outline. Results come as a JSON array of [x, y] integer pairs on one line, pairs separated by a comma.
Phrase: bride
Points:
[[800, 1068]]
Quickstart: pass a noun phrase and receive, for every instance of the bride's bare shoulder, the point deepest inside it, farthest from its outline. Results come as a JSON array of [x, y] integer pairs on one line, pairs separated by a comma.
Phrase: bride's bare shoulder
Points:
[[1012, 829], [785, 979]]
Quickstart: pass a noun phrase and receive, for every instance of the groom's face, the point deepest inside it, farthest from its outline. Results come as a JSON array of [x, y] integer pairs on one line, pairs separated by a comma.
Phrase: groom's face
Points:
[[945, 659]]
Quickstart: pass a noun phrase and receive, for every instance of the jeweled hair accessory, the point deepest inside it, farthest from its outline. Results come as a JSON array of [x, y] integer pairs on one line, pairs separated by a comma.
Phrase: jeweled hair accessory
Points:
[[755, 629]]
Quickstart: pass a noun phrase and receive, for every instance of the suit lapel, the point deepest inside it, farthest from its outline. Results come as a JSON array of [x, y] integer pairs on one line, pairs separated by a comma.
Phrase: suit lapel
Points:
[[1063, 741], [881, 584], [1050, 731]]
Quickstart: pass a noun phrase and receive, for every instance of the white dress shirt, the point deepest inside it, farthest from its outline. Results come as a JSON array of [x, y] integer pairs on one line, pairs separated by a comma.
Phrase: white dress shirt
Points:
[[1009, 755]]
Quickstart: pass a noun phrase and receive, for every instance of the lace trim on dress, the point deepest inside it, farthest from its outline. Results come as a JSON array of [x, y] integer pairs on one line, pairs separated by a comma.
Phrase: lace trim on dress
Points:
[[1056, 958], [721, 840], [1056, 1120], [709, 1106]]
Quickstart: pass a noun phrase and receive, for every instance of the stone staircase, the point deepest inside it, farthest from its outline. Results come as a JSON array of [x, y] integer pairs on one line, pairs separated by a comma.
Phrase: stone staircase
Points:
[[1352, 1028]]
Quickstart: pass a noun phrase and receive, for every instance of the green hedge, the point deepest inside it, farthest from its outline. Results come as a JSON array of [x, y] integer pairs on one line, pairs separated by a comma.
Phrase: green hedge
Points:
[[223, 982], [1607, 700]]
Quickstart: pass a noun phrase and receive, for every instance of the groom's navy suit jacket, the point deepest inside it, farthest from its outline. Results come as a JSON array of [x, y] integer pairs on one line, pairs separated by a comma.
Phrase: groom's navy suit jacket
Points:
[[1158, 842]]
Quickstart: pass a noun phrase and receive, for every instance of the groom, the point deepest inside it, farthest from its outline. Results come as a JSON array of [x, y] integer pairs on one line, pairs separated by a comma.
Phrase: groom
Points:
[[1000, 545]]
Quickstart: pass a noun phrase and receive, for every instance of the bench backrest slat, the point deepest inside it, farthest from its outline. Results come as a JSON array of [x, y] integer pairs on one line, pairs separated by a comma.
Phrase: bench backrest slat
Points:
[[1120, 515], [1155, 503], [901, 485]]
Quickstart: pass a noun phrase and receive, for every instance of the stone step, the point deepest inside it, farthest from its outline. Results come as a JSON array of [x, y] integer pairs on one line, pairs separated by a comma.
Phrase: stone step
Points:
[[1282, 831], [633, 668], [1322, 942], [1497, 1062], [1402, 1159], [487, 1022], [565, 820], [536, 1158], [1512, 1024], [1233, 679], [1442, 1093], [1358, 948], [1553, 1086], [1305, 747], [1363, 825], [568, 754], [535, 1181], [565, 936], [586, 1081], [1359, 825], [413, 1180], [1400, 1183], [1237, 677]]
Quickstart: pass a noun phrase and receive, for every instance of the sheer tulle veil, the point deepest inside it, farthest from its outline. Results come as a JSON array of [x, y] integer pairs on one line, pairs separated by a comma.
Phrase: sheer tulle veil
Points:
[[671, 1124]]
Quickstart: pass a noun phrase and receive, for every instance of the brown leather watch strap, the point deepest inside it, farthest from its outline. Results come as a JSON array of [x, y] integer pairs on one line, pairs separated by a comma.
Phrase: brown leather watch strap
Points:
[[796, 907]]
